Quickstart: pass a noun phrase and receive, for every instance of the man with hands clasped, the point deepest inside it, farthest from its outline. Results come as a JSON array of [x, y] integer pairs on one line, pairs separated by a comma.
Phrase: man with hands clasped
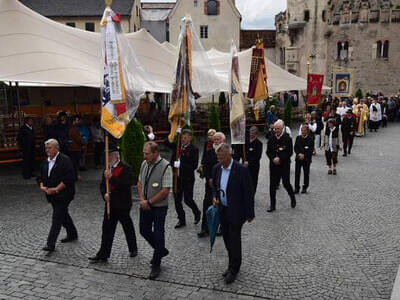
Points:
[[155, 182]]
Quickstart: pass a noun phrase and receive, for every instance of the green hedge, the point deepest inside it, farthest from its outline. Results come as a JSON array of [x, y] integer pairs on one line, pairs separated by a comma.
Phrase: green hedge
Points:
[[132, 147], [213, 118]]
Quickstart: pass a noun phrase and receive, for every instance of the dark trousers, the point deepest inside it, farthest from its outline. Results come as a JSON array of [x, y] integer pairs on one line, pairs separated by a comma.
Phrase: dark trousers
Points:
[[98, 153], [152, 228], [331, 157], [75, 158], [232, 234], [108, 231], [28, 162], [185, 192], [254, 171], [347, 142], [60, 218], [306, 170], [207, 202], [278, 172]]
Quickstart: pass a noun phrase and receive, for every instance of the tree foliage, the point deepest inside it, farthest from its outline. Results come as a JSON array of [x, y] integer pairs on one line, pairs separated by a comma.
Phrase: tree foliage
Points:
[[287, 113], [213, 118], [132, 147]]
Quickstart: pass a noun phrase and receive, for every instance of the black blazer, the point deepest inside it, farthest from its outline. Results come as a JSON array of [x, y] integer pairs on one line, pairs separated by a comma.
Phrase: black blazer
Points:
[[209, 161], [62, 171], [26, 138], [189, 160], [120, 188], [254, 152], [239, 192], [349, 125], [282, 148], [304, 146]]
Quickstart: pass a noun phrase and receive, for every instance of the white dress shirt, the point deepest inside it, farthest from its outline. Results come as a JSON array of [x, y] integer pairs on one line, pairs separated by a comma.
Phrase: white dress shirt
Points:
[[51, 163]]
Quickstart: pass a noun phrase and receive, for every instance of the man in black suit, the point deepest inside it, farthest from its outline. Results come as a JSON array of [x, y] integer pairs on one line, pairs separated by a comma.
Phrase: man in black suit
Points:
[[304, 149], [120, 198], [57, 181], [185, 163], [253, 155], [279, 151], [26, 142], [349, 128], [232, 185]]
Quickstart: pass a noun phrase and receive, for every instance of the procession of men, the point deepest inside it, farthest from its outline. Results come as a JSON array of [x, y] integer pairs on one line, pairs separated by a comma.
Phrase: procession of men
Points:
[[229, 184]]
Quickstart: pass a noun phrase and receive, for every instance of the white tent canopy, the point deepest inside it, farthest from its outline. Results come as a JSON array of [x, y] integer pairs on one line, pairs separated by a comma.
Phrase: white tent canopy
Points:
[[39, 50]]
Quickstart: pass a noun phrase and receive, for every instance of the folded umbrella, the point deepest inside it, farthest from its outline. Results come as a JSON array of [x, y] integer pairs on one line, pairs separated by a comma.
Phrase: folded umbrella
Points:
[[213, 221]]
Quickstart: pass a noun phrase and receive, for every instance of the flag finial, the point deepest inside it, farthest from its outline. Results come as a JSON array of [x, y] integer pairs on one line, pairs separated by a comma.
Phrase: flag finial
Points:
[[108, 2]]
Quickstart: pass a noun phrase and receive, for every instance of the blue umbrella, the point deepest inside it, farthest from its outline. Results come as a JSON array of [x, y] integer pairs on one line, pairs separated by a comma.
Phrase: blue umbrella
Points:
[[213, 221]]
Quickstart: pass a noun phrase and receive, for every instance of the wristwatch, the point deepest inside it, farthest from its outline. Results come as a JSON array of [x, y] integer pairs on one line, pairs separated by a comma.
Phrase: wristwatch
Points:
[[57, 191]]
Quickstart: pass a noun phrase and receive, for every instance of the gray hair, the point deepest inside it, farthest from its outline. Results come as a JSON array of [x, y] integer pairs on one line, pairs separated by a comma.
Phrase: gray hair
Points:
[[280, 123], [224, 147], [52, 142], [253, 129], [221, 134]]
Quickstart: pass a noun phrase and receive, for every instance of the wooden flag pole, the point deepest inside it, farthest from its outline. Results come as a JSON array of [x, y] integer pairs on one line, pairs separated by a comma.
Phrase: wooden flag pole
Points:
[[244, 153], [107, 181]]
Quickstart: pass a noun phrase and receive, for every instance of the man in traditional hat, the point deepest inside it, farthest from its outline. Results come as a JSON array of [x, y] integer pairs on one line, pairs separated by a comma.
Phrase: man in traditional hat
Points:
[[120, 197]]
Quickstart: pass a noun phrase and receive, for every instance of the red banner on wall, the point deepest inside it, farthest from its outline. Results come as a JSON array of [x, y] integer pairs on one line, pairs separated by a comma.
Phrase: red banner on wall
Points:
[[314, 88]]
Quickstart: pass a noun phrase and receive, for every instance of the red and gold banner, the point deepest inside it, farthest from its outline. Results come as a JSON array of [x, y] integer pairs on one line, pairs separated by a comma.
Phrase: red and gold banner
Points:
[[258, 89], [314, 88]]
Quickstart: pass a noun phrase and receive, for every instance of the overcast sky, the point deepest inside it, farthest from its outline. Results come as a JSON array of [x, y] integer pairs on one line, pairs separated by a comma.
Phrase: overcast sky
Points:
[[256, 14]]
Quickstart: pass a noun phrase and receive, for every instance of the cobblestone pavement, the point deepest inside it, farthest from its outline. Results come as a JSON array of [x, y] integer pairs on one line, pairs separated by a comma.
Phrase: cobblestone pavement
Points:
[[342, 241]]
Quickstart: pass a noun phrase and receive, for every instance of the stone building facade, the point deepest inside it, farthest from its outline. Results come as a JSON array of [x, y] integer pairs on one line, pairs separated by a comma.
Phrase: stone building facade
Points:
[[216, 22], [354, 34]]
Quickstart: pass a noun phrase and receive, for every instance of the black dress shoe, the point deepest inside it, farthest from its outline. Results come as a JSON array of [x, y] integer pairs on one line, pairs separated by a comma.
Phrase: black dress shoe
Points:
[[155, 272], [180, 224], [271, 209], [225, 273], [68, 239], [133, 253], [197, 218], [96, 259], [293, 202], [344, 154], [48, 249], [303, 190], [230, 277], [296, 191], [202, 234]]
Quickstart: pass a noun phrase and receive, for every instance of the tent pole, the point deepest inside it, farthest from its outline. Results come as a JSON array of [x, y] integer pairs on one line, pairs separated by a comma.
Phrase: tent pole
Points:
[[19, 103]]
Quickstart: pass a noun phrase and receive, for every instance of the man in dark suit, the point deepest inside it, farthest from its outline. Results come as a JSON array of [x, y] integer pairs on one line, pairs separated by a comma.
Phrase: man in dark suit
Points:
[[26, 142], [232, 185], [120, 198], [304, 149], [279, 151], [185, 162], [57, 181], [349, 128], [253, 155]]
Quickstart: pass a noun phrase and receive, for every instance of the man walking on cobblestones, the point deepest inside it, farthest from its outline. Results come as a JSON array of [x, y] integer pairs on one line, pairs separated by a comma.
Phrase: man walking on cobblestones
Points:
[[155, 182], [57, 181], [233, 187], [279, 151], [120, 198]]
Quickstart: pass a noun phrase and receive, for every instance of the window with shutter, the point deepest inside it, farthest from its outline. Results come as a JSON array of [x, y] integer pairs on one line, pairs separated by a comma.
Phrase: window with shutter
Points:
[[212, 9]]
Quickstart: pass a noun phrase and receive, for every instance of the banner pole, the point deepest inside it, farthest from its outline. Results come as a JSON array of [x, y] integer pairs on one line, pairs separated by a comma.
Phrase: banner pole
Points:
[[107, 181]]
